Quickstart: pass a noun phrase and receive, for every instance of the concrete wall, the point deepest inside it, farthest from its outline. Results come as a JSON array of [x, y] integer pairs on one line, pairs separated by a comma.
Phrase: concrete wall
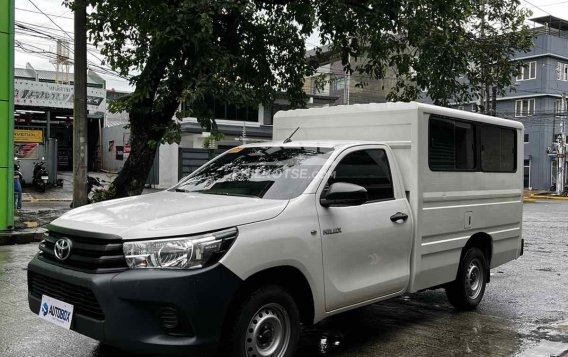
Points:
[[168, 165], [167, 157], [116, 134]]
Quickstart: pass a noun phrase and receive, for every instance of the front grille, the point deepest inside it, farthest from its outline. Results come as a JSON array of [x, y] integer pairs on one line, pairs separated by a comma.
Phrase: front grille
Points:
[[86, 254], [83, 300]]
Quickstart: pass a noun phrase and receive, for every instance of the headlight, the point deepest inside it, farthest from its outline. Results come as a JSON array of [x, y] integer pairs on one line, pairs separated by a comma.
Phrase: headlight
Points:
[[179, 253]]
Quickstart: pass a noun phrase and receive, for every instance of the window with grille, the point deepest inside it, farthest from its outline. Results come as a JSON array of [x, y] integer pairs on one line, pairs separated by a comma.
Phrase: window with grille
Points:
[[527, 71], [524, 107], [452, 144]]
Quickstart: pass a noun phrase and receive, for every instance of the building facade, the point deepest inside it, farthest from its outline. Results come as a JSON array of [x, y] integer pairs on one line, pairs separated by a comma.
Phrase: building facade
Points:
[[43, 103], [536, 100]]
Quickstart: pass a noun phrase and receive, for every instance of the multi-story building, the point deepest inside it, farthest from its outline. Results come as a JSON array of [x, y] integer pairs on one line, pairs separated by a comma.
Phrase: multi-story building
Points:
[[537, 97], [342, 88]]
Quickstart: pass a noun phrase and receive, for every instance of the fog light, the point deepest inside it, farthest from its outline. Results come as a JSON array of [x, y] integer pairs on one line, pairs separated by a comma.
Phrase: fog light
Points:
[[169, 317]]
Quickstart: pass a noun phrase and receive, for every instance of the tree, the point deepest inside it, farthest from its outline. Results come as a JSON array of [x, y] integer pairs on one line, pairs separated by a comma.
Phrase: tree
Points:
[[245, 51]]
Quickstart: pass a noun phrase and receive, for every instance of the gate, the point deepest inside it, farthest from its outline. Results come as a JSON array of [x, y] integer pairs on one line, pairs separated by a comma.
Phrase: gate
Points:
[[191, 159]]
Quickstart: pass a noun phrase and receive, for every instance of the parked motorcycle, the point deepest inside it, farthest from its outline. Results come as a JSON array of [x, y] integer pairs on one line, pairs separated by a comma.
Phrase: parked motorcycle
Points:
[[94, 184], [40, 176]]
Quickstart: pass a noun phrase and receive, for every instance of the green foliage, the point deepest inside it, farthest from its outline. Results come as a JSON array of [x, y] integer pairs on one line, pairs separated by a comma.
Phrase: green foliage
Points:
[[244, 52], [103, 194], [209, 141]]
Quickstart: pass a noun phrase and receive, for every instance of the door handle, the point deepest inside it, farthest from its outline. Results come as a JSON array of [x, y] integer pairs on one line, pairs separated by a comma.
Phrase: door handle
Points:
[[399, 216]]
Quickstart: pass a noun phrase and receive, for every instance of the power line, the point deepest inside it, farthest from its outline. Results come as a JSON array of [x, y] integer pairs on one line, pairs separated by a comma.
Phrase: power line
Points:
[[52, 15], [49, 18], [46, 35], [528, 2], [66, 33]]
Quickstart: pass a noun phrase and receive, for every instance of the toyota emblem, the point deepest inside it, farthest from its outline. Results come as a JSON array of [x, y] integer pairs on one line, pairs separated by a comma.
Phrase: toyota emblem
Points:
[[62, 248]]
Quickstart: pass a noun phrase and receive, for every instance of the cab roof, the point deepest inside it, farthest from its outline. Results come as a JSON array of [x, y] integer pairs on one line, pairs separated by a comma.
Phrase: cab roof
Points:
[[332, 144]]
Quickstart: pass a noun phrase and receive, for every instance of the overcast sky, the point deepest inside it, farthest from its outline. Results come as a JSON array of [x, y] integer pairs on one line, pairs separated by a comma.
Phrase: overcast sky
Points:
[[34, 48]]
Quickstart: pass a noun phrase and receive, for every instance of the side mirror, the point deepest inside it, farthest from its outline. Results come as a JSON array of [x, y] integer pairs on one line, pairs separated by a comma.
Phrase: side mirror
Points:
[[344, 194]]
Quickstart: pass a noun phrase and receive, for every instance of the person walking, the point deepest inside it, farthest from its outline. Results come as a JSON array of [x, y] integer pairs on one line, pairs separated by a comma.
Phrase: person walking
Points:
[[18, 183]]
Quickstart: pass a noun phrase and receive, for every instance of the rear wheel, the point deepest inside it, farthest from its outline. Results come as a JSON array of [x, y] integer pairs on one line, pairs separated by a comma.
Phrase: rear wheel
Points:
[[266, 325], [466, 292], [40, 186]]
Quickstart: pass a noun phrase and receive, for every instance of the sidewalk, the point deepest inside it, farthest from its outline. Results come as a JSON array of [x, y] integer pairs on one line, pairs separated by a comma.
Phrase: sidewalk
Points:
[[64, 193]]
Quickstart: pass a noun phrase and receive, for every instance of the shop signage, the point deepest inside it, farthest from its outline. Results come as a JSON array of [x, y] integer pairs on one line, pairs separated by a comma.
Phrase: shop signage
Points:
[[54, 95], [26, 151], [28, 136], [120, 153]]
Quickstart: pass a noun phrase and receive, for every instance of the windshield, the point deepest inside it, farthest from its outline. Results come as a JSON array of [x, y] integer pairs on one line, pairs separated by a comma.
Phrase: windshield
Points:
[[266, 172]]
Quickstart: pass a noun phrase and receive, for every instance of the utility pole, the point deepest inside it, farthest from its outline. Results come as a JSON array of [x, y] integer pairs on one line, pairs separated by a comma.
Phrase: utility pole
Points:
[[485, 98], [561, 149], [494, 101], [80, 106]]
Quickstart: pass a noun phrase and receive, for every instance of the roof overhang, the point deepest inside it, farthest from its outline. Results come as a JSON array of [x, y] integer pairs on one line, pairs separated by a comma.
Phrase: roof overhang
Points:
[[552, 22]]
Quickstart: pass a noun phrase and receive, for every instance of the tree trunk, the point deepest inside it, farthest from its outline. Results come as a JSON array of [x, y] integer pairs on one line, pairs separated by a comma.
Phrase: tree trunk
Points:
[[146, 133], [131, 179], [149, 119]]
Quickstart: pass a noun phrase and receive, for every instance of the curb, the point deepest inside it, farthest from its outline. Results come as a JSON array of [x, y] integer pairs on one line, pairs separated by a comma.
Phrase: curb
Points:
[[21, 236], [544, 197], [50, 200], [530, 200]]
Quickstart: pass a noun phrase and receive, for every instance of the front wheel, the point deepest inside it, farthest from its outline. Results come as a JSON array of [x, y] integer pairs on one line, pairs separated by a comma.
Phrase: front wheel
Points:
[[40, 186], [466, 292], [266, 325]]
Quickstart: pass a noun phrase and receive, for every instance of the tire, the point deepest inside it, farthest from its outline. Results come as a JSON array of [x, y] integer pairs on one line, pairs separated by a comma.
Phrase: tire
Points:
[[466, 292], [40, 187], [267, 324]]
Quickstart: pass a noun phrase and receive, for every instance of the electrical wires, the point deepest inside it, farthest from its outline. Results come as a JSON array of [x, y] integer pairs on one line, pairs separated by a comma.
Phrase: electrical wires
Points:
[[34, 36]]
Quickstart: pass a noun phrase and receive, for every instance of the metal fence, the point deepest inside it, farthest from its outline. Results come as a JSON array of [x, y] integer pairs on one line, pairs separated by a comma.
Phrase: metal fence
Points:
[[191, 159]]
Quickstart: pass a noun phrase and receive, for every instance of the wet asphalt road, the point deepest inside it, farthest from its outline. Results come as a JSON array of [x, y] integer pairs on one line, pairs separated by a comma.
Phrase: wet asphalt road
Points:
[[524, 312]]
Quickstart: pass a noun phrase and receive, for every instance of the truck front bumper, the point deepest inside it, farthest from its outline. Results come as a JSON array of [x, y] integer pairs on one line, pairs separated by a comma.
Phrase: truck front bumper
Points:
[[143, 311]]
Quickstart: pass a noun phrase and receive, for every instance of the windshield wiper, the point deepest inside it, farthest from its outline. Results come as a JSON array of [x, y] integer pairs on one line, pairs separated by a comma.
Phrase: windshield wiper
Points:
[[207, 192]]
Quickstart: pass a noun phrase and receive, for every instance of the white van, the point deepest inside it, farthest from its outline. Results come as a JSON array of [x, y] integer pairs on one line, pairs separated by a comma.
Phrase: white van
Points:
[[363, 203]]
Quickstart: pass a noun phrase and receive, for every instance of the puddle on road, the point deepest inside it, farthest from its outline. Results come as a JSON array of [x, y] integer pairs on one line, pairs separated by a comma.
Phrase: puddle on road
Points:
[[419, 325], [545, 349], [548, 339]]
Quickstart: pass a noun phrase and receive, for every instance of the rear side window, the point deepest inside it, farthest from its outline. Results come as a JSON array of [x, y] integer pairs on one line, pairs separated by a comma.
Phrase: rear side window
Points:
[[369, 169], [452, 145], [498, 149], [459, 145]]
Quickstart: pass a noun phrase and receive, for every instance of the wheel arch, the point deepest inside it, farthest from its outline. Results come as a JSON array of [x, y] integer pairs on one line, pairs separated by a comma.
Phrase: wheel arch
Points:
[[290, 278], [482, 241]]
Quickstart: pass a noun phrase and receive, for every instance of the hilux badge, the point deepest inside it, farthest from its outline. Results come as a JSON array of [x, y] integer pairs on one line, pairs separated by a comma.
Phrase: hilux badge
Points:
[[331, 231], [62, 249]]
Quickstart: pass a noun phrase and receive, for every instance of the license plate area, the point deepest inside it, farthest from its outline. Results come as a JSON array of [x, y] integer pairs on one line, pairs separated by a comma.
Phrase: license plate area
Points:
[[56, 311]]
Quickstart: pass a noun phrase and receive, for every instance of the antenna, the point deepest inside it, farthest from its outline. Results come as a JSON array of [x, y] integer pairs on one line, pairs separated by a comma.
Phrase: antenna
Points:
[[289, 139]]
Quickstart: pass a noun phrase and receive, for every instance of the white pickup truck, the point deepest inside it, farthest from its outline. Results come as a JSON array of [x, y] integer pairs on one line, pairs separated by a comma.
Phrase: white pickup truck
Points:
[[362, 204]]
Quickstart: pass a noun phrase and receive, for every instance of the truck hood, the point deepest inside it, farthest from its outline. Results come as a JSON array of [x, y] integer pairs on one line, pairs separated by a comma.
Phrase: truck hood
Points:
[[166, 213]]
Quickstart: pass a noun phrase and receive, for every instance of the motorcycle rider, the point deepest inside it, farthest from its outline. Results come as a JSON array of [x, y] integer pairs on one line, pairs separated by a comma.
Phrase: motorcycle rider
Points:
[[17, 183]]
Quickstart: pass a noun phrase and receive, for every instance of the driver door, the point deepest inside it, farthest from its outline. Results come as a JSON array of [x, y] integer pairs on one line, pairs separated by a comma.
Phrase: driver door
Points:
[[366, 255]]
